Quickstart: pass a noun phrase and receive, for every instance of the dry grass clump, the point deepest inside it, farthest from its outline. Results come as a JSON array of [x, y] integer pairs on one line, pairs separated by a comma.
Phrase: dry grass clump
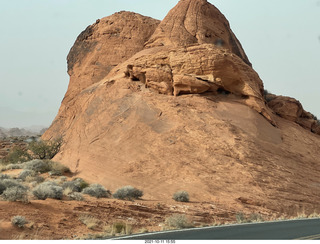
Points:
[[57, 169], [253, 217], [76, 185], [90, 221], [128, 193], [121, 228], [177, 221]]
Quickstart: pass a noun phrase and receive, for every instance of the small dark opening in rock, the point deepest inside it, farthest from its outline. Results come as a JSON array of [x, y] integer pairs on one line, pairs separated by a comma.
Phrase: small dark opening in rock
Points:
[[134, 78], [223, 91]]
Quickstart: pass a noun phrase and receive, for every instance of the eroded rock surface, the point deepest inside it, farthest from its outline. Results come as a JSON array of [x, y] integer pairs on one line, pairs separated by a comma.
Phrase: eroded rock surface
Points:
[[182, 110], [105, 44], [291, 109]]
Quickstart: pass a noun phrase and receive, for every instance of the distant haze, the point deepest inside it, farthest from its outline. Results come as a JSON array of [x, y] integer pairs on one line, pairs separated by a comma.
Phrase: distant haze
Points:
[[281, 39]]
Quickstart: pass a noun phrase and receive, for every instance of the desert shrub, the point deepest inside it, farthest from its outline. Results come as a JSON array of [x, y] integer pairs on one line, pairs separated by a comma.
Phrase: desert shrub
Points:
[[14, 166], [241, 218], [15, 193], [4, 176], [26, 173], [19, 221], [17, 155], [75, 196], [2, 187], [57, 169], [96, 190], [45, 149], [48, 190], [128, 192], [35, 179], [255, 217], [90, 221], [181, 196], [77, 185], [37, 165], [12, 183], [63, 178], [121, 228], [178, 221]]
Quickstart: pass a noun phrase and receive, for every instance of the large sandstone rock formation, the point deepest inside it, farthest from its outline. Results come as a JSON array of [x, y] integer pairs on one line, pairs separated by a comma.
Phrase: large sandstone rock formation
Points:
[[177, 105]]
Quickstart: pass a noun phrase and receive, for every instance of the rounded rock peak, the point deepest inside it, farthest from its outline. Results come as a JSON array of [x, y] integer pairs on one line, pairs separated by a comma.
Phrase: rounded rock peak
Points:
[[196, 22]]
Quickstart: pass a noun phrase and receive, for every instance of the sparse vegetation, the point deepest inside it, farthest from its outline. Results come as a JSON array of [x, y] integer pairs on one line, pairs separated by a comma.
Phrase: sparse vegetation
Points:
[[121, 228], [37, 165], [253, 217], [4, 176], [48, 189], [268, 96], [45, 149], [17, 155], [19, 221], [13, 166], [128, 193], [76, 185], [26, 173], [75, 196], [57, 168], [177, 221], [96, 190], [15, 193], [90, 221], [181, 196]]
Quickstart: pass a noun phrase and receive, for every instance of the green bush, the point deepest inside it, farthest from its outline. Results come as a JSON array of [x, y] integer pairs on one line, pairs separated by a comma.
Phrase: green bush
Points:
[[128, 192], [96, 190], [48, 189], [181, 196], [17, 155], [19, 221], [15, 193], [45, 149]]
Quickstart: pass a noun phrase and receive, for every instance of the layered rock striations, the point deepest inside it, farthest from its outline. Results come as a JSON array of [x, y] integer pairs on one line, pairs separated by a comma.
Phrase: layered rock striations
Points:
[[176, 105]]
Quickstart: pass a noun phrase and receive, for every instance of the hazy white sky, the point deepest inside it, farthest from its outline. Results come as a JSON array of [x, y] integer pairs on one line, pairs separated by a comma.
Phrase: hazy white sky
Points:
[[281, 39]]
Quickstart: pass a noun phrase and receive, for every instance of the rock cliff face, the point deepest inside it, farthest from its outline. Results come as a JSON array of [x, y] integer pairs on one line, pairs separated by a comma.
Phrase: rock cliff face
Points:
[[176, 105], [105, 44]]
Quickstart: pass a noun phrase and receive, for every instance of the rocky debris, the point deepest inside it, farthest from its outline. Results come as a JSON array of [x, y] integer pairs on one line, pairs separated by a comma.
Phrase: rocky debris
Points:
[[291, 109]]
